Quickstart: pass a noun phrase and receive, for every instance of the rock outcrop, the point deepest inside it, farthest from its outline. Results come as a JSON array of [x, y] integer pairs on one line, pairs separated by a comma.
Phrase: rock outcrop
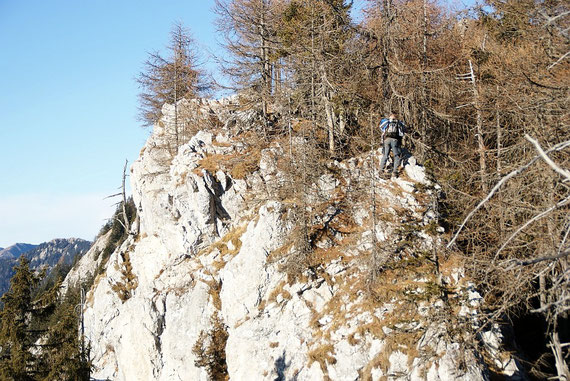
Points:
[[213, 267]]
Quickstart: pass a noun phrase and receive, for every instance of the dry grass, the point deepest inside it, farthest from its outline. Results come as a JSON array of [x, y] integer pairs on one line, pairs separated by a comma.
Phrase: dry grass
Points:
[[214, 289], [280, 252], [211, 163], [324, 355], [401, 340], [378, 362], [228, 245], [129, 282], [246, 164], [340, 232], [399, 280], [182, 179], [242, 321], [238, 165], [273, 296], [216, 143], [91, 294], [373, 329], [387, 217], [233, 236], [401, 286], [324, 256], [261, 305], [397, 285], [218, 264], [279, 290], [405, 342], [353, 340], [451, 263], [395, 189]]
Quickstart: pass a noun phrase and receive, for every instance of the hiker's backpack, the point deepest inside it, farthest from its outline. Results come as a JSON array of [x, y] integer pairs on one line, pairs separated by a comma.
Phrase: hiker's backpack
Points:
[[394, 129]]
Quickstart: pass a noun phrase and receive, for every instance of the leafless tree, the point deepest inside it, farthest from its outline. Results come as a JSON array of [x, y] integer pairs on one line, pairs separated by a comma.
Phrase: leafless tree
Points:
[[169, 80], [248, 29]]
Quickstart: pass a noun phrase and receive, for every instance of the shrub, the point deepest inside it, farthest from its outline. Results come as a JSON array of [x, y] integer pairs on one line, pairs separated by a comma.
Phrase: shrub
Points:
[[210, 350]]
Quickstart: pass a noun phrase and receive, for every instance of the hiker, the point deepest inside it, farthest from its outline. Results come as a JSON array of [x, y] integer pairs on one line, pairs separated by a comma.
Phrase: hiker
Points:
[[392, 134]]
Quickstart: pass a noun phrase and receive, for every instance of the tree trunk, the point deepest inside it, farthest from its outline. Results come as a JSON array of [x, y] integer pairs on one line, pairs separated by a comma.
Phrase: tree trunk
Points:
[[329, 112], [561, 366], [313, 68], [177, 143], [385, 68], [330, 123], [124, 194], [479, 134], [499, 137], [341, 121], [265, 62], [423, 101]]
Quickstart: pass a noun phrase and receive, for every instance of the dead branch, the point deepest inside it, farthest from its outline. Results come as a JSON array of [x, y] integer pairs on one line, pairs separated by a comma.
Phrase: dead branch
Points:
[[127, 225], [559, 60], [512, 174], [517, 262], [548, 160], [565, 237], [535, 218]]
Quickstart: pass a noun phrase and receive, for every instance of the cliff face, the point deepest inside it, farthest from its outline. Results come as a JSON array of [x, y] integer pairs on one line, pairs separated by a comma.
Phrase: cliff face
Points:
[[212, 266]]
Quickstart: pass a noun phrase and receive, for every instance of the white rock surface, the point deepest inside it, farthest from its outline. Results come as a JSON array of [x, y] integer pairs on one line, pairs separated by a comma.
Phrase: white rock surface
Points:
[[87, 265], [204, 249]]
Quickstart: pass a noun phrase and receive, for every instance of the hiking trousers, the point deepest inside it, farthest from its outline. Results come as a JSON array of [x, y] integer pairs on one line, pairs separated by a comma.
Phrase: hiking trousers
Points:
[[394, 145]]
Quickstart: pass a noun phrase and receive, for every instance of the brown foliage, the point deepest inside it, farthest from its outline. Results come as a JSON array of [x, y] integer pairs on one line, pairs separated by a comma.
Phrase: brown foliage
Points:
[[210, 350]]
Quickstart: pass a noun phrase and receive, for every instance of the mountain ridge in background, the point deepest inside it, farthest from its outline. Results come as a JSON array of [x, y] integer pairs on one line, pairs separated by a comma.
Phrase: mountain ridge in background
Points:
[[15, 250], [48, 255]]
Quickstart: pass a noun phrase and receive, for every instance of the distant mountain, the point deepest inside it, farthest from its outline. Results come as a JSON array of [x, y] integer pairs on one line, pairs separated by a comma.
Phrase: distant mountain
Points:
[[16, 250], [46, 255], [57, 251]]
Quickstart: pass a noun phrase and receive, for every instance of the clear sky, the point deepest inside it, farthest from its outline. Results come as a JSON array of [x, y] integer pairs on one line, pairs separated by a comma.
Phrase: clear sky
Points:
[[68, 105]]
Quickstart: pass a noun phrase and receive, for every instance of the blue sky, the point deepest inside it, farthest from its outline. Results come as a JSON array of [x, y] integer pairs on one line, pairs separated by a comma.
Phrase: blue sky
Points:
[[68, 105]]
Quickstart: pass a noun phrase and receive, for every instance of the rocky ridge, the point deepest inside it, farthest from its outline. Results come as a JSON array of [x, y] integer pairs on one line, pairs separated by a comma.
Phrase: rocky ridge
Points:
[[14, 251], [212, 254], [46, 256], [57, 251]]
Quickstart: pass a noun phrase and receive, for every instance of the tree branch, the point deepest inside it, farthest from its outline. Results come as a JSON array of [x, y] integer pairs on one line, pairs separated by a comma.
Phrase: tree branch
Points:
[[512, 174], [548, 160], [517, 262], [535, 218]]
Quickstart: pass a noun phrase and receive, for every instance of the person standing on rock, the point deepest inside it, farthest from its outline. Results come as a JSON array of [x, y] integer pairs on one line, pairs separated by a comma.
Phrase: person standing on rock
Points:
[[393, 131]]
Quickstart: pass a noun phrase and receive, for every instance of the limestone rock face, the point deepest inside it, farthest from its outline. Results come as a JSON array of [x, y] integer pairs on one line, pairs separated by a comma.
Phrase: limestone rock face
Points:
[[215, 253], [87, 265]]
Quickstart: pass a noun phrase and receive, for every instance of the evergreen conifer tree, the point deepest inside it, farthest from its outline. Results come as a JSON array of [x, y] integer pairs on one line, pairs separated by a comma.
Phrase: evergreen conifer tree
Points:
[[39, 337], [17, 338], [67, 358]]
